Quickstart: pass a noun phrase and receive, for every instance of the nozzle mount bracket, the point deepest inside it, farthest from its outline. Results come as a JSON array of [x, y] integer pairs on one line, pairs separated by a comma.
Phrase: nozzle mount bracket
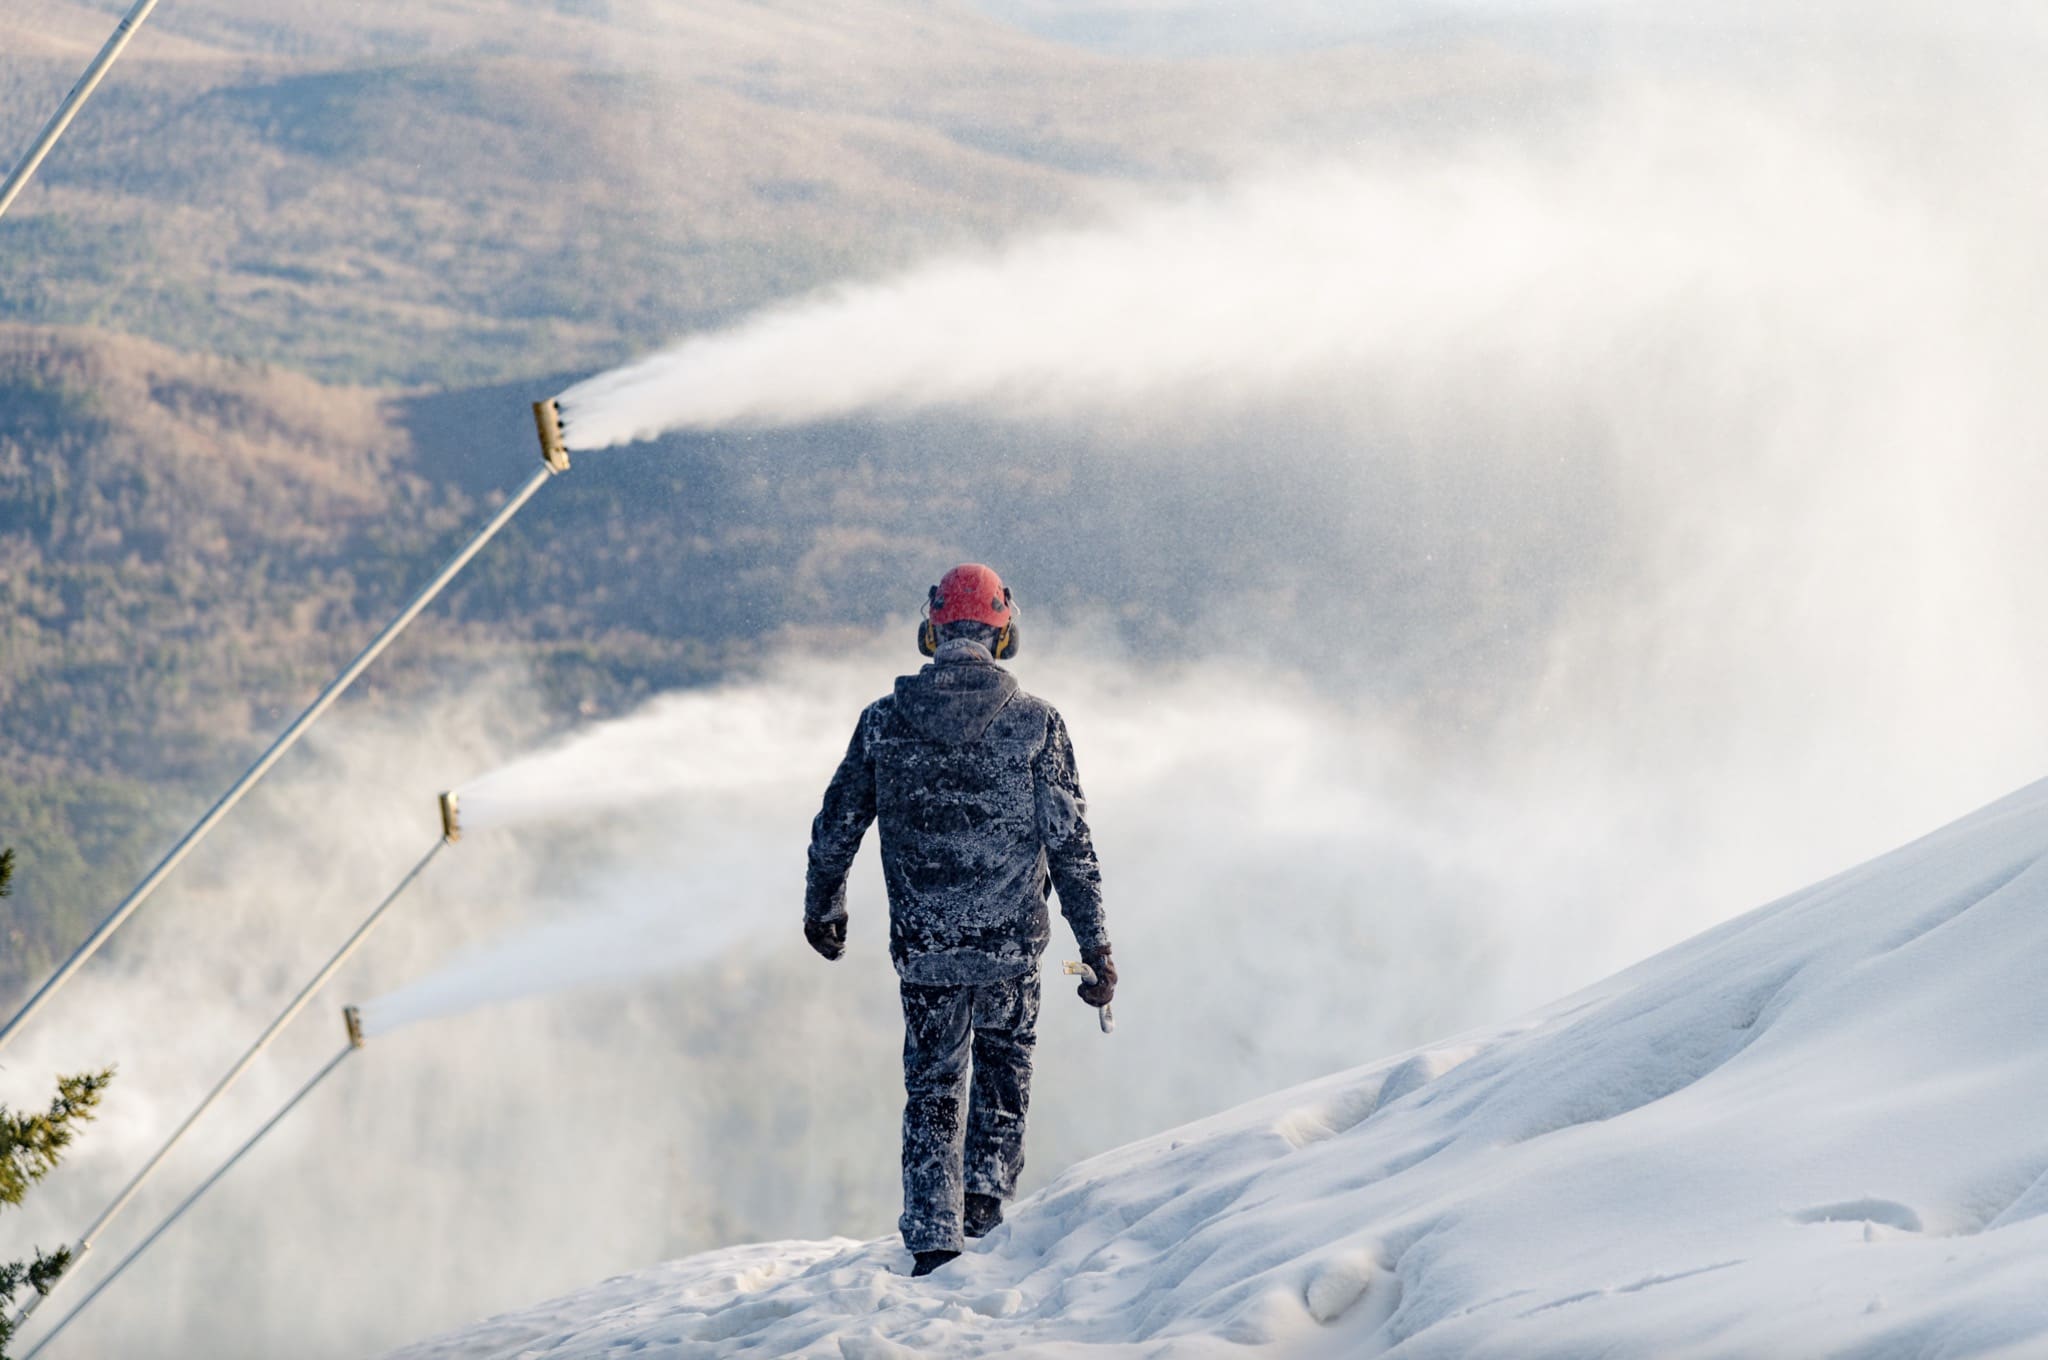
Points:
[[451, 818], [352, 1021]]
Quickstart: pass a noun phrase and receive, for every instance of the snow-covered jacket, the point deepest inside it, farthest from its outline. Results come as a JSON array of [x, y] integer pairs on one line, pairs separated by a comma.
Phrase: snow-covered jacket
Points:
[[981, 814]]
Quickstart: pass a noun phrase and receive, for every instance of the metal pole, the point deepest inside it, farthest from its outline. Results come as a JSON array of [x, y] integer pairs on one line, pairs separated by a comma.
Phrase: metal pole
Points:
[[68, 110], [290, 1012], [191, 1199], [270, 757]]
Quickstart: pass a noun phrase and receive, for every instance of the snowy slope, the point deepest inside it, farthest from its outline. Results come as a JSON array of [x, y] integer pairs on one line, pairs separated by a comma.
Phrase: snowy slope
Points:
[[1820, 1128]]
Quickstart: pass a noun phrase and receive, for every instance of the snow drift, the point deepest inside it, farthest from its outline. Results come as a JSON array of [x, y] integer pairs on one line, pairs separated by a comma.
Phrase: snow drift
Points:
[[1815, 1129]]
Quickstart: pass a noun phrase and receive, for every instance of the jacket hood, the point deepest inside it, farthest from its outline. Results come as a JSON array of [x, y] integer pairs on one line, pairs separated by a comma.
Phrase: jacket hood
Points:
[[953, 700]]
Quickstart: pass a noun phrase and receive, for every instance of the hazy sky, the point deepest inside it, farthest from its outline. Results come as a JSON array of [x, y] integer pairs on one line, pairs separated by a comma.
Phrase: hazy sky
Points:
[[1207, 27]]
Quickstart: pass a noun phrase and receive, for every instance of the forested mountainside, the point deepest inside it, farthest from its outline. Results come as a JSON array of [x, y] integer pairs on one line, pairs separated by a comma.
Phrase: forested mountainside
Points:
[[271, 318], [472, 192]]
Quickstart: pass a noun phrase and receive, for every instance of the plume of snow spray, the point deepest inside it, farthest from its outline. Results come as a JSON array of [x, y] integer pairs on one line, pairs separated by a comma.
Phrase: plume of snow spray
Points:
[[1540, 258], [702, 743]]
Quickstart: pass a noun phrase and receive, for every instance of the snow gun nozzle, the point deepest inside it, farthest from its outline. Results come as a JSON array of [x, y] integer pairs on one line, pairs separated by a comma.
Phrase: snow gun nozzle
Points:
[[547, 417], [451, 818], [352, 1021], [1075, 968]]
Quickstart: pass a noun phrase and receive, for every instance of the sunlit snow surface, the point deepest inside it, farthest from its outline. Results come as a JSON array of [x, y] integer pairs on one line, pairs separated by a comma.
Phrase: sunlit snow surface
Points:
[[1821, 1128]]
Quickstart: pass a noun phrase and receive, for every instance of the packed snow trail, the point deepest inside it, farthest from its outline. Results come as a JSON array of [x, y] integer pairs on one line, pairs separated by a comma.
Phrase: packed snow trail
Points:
[[1812, 1130]]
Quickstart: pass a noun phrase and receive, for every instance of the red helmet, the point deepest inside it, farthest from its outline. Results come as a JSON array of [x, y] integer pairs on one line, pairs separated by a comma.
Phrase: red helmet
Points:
[[974, 593], [970, 591]]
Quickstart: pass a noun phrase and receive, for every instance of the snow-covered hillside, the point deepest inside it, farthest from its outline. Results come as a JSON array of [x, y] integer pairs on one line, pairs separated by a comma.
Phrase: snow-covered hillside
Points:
[[1819, 1129]]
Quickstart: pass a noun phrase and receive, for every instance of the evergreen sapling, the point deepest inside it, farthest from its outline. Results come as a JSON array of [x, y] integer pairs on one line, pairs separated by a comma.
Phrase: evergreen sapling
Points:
[[30, 1147]]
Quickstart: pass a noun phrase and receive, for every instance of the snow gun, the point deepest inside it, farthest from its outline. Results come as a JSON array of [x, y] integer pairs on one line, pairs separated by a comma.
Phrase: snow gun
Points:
[[451, 818], [1075, 968], [547, 417]]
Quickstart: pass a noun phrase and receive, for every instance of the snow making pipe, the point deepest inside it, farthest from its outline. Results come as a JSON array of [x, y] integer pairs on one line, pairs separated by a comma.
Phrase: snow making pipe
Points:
[[355, 1041], [554, 461], [18, 179], [1074, 968], [234, 1074]]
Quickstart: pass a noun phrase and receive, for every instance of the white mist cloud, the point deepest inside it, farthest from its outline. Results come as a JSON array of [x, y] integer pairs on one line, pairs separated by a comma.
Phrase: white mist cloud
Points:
[[674, 908], [1534, 257], [716, 743]]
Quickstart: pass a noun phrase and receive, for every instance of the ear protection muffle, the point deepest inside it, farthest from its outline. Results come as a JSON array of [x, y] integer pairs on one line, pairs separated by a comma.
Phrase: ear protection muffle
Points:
[[928, 632]]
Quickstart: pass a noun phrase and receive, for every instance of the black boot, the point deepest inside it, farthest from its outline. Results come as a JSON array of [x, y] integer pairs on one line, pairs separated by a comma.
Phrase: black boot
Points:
[[984, 1212], [928, 1261]]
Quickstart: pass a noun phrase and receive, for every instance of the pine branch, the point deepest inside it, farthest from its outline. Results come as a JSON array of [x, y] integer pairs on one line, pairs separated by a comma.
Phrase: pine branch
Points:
[[39, 1275], [30, 1144]]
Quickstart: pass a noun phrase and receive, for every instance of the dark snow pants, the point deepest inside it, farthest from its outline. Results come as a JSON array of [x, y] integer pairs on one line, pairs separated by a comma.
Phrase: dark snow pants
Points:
[[962, 1135]]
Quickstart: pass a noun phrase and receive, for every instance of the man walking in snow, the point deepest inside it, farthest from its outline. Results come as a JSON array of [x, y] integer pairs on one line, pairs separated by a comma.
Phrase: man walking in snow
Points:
[[981, 814]]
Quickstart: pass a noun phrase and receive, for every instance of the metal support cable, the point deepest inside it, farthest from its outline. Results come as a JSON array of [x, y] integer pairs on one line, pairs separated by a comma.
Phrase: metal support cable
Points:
[[276, 752], [189, 1201], [234, 1074], [82, 91]]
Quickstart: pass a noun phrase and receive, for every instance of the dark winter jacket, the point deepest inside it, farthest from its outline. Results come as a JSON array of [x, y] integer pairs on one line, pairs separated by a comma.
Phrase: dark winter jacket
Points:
[[981, 813]]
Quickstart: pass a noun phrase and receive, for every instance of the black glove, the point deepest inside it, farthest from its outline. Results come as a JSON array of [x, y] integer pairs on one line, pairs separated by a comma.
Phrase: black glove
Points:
[[1099, 992], [827, 937]]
